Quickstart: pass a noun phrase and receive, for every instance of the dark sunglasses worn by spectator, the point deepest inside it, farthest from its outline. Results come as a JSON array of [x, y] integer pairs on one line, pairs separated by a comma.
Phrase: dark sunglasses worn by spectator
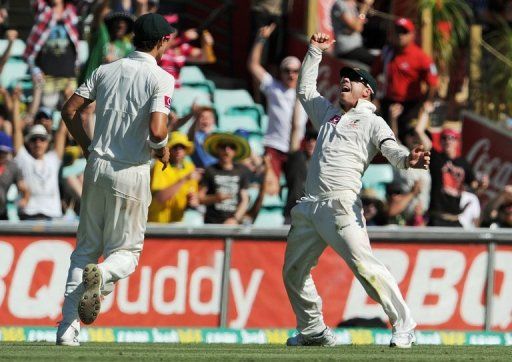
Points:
[[37, 138], [291, 71], [226, 145], [449, 138]]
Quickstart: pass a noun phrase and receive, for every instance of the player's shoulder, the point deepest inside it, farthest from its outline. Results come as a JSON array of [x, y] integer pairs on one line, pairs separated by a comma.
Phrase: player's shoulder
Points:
[[161, 76]]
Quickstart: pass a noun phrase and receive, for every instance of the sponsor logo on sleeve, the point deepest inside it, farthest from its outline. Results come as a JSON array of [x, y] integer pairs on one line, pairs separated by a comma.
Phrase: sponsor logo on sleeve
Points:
[[334, 120], [167, 102]]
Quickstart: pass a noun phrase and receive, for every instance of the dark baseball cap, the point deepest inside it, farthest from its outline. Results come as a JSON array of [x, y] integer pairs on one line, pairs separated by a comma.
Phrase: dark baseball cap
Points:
[[152, 27], [360, 74]]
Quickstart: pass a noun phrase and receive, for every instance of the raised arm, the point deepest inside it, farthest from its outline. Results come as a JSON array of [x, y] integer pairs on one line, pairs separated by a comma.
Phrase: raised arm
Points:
[[11, 35], [254, 61], [315, 105]]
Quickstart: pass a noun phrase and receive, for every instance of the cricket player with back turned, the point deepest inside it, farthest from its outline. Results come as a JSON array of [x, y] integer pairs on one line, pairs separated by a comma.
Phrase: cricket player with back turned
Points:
[[133, 98], [330, 213]]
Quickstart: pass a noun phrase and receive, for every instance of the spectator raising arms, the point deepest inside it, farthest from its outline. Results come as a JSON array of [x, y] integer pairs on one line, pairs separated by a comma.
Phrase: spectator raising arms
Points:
[[282, 106], [110, 38], [450, 173], [348, 23], [224, 185], [175, 188], [52, 48], [181, 51], [40, 167]]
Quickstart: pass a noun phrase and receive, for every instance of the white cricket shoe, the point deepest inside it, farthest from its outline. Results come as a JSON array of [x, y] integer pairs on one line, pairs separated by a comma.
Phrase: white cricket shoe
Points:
[[402, 339], [325, 339], [67, 335]]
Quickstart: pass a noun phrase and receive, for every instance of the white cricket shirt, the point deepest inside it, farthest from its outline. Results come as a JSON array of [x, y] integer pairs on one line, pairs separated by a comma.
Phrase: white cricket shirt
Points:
[[346, 142], [126, 92]]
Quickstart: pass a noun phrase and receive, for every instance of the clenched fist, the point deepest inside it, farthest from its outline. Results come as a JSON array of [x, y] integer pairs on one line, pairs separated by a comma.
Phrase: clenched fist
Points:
[[322, 41]]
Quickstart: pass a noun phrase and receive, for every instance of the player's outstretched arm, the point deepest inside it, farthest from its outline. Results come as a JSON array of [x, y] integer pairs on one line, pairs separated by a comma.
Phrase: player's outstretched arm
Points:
[[315, 105]]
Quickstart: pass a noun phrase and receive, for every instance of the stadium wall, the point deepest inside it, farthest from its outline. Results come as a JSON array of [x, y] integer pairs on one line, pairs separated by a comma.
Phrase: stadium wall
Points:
[[231, 277]]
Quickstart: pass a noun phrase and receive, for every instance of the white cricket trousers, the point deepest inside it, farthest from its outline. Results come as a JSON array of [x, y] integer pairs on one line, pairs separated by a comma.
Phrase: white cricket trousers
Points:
[[337, 220], [113, 217]]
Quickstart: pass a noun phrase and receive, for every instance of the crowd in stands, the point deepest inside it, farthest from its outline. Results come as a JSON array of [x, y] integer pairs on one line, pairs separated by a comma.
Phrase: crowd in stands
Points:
[[235, 158]]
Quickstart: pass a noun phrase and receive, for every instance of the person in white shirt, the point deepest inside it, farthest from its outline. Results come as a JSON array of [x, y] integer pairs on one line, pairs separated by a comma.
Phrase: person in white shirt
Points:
[[133, 99], [331, 214], [40, 167], [286, 117]]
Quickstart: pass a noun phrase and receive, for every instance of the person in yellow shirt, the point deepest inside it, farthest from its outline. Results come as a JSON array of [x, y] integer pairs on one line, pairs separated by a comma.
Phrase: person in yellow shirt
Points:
[[175, 188]]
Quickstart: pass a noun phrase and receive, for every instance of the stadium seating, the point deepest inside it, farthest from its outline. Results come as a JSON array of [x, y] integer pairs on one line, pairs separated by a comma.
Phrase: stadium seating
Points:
[[192, 217], [15, 70], [230, 123], [270, 217], [376, 177], [17, 50], [184, 97], [192, 76]]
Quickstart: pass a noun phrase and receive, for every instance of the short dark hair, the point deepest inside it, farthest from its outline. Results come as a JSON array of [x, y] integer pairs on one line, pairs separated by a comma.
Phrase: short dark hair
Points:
[[145, 45]]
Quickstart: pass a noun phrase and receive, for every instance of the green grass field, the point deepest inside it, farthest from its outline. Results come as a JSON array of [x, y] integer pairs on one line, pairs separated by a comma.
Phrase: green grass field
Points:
[[33, 351]]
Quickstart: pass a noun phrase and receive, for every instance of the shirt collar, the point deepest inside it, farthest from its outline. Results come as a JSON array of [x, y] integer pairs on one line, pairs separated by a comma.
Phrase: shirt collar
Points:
[[143, 57], [363, 105]]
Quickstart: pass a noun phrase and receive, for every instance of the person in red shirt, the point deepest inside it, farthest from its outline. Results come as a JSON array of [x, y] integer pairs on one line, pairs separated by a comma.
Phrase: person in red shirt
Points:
[[181, 51], [405, 67]]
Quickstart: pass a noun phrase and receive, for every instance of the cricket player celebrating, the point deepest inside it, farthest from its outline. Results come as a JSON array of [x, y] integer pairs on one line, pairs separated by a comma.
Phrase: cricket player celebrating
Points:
[[331, 212], [133, 97]]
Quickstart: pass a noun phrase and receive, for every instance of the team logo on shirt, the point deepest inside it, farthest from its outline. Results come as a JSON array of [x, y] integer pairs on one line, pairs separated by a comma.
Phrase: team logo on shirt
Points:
[[334, 120], [167, 102], [353, 124]]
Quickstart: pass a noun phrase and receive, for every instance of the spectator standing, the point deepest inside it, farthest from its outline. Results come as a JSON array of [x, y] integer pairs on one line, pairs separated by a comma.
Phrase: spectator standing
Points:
[[283, 107], [52, 48], [348, 23], [224, 185], [10, 174], [175, 188], [450, 173], [110, 38], [40, 168], [405, 67]]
